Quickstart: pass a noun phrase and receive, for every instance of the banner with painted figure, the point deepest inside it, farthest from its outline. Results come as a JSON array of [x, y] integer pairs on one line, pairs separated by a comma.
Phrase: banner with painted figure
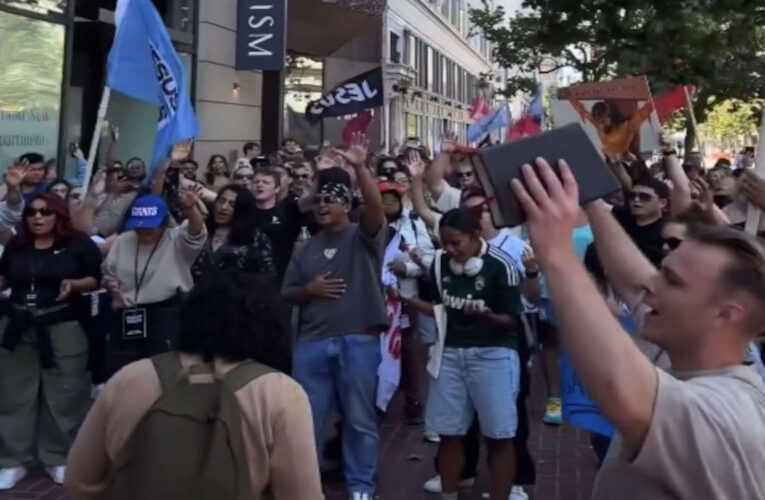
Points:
[[356, 94], [617, 115]]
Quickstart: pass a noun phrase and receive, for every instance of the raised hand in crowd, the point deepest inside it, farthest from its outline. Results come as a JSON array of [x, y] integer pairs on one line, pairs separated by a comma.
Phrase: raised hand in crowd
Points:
[[552, 208], [752, 186], [357, 151]]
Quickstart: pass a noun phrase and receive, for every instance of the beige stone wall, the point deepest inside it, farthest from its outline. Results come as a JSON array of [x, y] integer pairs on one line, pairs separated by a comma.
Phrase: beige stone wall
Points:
[[228, 118]]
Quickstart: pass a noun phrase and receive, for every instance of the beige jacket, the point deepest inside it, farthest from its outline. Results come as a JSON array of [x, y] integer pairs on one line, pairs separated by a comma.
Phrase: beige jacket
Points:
[[277, 428]]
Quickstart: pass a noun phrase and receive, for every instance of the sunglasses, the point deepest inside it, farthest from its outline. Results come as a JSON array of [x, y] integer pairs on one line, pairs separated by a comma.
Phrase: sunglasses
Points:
[[672, 243], [464, 175], [326, 199], [244, 177], [644, 197], [45, 212]]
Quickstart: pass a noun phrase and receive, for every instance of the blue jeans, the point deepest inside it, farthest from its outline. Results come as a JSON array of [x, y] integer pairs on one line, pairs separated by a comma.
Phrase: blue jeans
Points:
[[344, 369]]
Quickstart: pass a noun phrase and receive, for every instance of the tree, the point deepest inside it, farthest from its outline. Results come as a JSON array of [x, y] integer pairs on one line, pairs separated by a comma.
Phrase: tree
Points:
[[732, 119], [715, 45]]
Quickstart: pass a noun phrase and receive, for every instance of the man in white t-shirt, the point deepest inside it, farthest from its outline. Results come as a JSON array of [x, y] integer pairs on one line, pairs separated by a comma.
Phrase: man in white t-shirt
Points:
[[699, 431]]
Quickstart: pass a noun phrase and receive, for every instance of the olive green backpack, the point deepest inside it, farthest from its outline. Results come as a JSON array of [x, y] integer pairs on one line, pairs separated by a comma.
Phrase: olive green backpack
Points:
[[189, 445]]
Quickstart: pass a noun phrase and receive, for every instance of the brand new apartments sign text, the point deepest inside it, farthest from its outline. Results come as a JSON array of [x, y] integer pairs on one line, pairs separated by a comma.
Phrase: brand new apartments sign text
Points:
[[261, 31]]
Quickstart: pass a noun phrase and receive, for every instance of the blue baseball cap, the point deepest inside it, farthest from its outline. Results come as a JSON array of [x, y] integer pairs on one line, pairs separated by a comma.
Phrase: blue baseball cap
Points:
[[147, 212]]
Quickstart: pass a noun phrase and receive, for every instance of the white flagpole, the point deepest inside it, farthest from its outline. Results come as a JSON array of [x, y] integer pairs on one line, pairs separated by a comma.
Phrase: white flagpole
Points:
[[753, 213], [699, 142], [102, 108]]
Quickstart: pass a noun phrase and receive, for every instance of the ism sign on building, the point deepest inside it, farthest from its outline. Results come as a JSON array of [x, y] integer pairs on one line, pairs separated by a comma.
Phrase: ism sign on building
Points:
[[261, 31]]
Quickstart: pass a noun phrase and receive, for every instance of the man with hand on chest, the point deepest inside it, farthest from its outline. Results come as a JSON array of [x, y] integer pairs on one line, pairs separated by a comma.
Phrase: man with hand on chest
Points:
[[335, 279]]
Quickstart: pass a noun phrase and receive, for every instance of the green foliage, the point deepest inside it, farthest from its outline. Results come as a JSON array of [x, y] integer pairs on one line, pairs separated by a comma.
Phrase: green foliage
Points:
[[716, 45], [733, 118]]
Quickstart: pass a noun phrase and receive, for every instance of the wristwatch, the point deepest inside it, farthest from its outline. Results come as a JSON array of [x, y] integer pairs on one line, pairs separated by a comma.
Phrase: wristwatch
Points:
[[669, 152]]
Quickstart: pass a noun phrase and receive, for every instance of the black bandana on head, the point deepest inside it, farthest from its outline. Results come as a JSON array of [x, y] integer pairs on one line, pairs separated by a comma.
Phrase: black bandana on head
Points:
[[337, 190]]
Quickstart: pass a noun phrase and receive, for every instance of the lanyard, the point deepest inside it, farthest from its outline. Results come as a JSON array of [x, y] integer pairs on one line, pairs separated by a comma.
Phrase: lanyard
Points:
[[139, 282]]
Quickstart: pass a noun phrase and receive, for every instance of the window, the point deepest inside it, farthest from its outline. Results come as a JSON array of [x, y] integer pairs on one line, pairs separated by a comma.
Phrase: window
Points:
[[429, 69], [408, 49], [395, 54], [30, 86], [454, 12], [38, 6]]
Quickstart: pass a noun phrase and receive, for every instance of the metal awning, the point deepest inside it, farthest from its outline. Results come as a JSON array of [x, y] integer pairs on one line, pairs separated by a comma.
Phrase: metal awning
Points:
[[317, 28]]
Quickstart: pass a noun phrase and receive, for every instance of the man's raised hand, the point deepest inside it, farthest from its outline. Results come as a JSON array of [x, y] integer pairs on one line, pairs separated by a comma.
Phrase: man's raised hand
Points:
[[551, 208]]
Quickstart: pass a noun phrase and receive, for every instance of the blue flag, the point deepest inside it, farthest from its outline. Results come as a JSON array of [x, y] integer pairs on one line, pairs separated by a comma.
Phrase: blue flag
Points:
[[500, 117], [143, 64], [536, 107]]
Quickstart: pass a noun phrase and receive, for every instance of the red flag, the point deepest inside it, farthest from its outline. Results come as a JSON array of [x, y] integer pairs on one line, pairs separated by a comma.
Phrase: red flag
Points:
[[525, 127], [676, 100], [479, 109], [358, 123]]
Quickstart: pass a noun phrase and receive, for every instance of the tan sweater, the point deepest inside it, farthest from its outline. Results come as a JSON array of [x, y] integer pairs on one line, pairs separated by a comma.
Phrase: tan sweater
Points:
[[277, 428], [168, 271]]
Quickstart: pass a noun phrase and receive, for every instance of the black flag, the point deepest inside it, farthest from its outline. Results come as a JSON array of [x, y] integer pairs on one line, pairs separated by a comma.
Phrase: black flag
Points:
[[361, 92]]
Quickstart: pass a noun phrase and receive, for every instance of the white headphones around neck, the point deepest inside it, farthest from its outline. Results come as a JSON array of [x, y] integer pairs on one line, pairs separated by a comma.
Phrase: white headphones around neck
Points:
[[473, 265]]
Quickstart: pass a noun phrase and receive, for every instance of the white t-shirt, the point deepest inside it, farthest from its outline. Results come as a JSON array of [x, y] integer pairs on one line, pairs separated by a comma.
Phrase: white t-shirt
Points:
[[450, 198], [706, 440]]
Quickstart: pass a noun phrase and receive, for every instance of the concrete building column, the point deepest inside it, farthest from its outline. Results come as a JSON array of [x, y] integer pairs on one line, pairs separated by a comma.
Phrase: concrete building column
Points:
[[228, 101]]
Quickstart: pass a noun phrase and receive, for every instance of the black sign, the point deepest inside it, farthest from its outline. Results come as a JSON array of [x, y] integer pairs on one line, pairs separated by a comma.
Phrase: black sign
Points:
[[361, 92], [261, 33]]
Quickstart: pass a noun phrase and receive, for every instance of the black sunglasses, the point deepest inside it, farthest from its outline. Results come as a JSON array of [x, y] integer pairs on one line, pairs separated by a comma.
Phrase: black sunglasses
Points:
[[464, 174], [45, 212], [637, 195], [327, 199], [672, 243]]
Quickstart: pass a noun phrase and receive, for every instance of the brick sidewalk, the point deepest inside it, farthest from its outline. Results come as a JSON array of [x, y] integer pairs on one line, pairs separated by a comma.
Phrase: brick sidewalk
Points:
[[565, 463]]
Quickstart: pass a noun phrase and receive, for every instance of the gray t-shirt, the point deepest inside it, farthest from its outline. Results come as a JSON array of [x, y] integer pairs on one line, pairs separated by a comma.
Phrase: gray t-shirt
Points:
[[355, 257]]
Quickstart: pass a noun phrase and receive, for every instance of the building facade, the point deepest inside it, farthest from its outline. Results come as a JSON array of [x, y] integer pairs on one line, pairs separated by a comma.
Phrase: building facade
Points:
[[51, 82], [52, 79], [434, 69]]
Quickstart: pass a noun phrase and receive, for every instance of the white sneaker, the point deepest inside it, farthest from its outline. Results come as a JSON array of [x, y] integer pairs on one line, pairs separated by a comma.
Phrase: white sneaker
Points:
[[360, 496], [517, 493], [431, 437], [10, 477], [57, 473], [433, 485]]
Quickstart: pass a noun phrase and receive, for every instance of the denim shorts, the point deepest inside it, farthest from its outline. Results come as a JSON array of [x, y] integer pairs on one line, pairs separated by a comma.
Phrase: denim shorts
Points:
[[483, 380]]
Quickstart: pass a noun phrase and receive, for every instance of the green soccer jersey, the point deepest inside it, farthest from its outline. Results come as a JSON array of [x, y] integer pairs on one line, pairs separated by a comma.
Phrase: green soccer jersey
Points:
[[497, 285]]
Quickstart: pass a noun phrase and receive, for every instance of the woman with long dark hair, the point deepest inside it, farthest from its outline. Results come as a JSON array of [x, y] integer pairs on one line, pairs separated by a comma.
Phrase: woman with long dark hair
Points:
[[44, 380], [218, 174], [478, 287], [234, 242], [228, 321]]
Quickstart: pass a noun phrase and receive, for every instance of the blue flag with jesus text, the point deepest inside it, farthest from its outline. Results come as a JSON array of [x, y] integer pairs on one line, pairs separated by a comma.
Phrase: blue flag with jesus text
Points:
[[144, 65]]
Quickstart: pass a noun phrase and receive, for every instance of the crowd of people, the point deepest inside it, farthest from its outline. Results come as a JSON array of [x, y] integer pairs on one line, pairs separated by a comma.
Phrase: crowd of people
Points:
[[228, 322]]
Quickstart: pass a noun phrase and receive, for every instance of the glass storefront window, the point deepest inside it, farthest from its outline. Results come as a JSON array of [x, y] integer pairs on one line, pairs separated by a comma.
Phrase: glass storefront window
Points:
[[180, 15], [30, 86], [39, 6], [303, 84]]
